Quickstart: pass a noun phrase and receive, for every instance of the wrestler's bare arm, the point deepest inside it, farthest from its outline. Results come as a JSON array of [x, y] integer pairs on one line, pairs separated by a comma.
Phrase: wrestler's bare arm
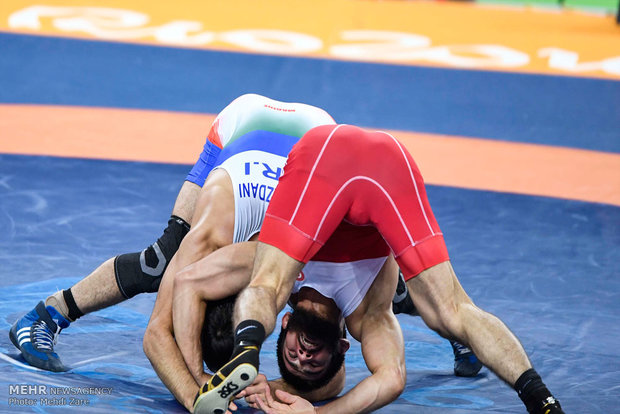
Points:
[[160, 345], [261, 386], [222, 273], [212, 228], [374, 325], [161, 349]]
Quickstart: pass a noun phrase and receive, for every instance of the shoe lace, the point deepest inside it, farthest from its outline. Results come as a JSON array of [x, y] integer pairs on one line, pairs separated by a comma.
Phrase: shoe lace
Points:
[[43, 337]]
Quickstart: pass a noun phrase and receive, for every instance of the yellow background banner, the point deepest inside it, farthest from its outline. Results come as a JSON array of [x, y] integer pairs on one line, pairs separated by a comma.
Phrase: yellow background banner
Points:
[[454, 35]]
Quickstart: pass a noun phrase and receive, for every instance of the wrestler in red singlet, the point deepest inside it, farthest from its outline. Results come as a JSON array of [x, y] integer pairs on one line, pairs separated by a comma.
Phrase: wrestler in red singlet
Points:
[[345, 193]]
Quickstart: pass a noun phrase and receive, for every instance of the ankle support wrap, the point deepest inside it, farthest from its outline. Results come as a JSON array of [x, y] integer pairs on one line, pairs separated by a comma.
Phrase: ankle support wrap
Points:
[[74, 311]]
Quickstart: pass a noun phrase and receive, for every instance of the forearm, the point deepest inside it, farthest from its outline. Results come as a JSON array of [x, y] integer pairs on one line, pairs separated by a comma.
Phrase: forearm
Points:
[[167, 361], [188, 312], [378, 331], [219, 275], [372, 393]]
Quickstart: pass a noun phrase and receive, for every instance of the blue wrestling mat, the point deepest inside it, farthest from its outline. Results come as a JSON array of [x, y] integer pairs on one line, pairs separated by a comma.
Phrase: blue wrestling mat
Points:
[[549, 268], [549, 274]]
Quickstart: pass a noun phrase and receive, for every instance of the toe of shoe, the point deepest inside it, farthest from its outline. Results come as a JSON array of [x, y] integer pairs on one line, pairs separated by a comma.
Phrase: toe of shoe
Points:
[[48, 361], [467, 368]]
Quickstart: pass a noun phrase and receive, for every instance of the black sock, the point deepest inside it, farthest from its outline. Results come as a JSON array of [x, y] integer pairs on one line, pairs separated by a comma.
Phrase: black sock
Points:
[[532, 390], [74, 311], [249, 333]]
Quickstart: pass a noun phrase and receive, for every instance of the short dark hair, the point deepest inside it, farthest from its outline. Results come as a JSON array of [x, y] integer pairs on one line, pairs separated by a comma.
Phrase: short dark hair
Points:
[[217, 333], [316, 327]]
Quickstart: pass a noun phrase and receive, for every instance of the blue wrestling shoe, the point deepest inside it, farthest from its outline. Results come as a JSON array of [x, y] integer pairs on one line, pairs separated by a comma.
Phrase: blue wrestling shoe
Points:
[[35, 335], [466, 364]]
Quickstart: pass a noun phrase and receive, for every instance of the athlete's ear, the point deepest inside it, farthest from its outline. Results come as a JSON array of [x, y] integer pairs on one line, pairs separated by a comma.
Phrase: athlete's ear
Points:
[[285, 319], [343, 345]]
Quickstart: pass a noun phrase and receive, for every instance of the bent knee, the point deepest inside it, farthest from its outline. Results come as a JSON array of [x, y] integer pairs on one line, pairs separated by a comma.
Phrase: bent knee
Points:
[[395, 381]]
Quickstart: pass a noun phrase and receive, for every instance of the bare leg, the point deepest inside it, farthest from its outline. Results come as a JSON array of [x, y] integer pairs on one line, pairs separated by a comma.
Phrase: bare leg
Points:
[[98, 290], [272, 280], [185, 204], [446, 308]]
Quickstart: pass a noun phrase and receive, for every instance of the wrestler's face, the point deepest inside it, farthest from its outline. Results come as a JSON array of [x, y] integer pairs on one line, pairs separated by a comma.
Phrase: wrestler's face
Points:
[[305, 357], [310, 350]]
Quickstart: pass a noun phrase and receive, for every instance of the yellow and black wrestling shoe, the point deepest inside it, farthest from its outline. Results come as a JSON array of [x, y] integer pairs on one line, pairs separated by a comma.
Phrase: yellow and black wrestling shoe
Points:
[[215, 396]]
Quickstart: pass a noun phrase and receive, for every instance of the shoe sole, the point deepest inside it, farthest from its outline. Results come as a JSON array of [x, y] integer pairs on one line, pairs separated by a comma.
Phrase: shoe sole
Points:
[[13, 337], [216, 401]]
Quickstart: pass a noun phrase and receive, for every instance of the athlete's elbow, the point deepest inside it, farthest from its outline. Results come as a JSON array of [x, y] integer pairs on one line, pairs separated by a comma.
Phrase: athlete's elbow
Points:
[[148, 344], [393, 382], [182, 280], [154, 336]]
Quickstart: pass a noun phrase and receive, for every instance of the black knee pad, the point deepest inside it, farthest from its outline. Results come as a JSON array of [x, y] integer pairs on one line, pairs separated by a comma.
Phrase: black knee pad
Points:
[[142, 272]]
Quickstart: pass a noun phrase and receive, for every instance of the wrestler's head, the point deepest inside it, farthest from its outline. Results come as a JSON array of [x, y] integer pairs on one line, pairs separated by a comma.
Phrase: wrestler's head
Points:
[[217, 333], [310, 350]]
